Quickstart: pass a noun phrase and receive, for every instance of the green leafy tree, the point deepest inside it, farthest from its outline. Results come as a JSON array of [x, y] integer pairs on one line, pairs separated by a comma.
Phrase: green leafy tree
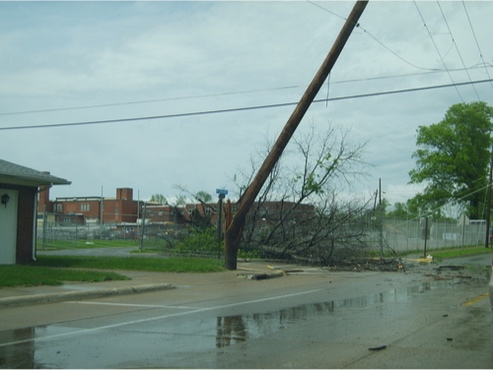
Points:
[[158, 198], [407, 210], [203, 197], [198, 241], [452, 159]]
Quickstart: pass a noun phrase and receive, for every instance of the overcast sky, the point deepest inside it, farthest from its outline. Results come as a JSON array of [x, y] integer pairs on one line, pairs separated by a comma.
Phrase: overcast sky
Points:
[[71, 62]]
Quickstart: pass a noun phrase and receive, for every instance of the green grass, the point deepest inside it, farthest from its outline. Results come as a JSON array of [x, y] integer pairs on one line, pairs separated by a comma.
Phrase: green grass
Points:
[[439, 253], [27, 275], [198, 265], [459, 252], [54, 270], [86, 244]]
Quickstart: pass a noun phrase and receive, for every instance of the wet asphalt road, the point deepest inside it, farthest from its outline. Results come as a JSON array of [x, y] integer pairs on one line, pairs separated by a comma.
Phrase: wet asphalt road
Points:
[[418, 319]]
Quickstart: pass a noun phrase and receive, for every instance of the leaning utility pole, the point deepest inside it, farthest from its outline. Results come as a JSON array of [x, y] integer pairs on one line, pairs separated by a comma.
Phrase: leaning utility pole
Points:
[[234, 229]]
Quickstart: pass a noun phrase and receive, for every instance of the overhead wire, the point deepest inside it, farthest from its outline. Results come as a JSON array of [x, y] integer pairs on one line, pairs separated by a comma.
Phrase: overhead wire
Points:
[[475, 39], [148, 101], [228, 93], [429, 71], [457, 48], [448, 70], [376, 39], [450, 202], [437, 50], [230, 110]]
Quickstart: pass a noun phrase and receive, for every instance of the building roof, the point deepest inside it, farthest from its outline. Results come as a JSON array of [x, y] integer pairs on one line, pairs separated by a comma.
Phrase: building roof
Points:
[[11, 173]]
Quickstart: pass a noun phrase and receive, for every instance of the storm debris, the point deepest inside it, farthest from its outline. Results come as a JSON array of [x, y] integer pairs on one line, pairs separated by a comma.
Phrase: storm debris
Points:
[[377, 348], [368, 264]]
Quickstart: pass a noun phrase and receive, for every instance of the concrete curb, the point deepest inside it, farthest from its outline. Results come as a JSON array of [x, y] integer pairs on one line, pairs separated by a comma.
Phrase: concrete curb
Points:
[[78, 295]]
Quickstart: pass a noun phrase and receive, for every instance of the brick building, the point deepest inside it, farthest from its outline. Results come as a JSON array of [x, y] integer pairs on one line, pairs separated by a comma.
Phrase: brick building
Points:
[[269, 211], [91, 209], [123, 210]]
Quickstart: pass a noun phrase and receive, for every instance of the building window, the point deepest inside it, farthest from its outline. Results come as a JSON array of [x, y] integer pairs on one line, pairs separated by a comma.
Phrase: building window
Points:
[[116, 210], [58, 207], [84, 207]]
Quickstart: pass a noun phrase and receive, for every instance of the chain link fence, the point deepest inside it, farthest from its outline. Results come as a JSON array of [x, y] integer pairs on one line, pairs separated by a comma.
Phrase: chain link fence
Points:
[[419, 234], [394, 235], [51, 235]]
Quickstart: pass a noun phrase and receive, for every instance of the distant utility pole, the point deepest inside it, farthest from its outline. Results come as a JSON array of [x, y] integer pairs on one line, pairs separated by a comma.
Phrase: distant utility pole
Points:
[[380, 217], [234, 230], [488, 203], [142, 227]]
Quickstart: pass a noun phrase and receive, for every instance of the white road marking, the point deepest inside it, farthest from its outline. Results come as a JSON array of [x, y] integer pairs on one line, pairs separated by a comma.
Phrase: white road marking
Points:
[[131, 305], [140, 321]]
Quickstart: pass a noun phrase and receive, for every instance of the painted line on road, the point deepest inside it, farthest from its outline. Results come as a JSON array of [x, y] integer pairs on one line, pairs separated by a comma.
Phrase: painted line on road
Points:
[[475, 300], [131, 305], [140, 321]]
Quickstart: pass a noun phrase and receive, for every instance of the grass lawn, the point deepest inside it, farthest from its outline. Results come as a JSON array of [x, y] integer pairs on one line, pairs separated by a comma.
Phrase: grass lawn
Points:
[[27, 275], [54, 270], [86, 244], [459, 252], [153, 264]]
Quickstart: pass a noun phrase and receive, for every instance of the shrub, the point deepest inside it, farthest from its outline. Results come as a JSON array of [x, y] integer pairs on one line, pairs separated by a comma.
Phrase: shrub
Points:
[[199, 242]]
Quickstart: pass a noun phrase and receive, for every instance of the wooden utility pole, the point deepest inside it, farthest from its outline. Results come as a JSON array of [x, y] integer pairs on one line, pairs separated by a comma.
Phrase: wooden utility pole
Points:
[[234, 229]]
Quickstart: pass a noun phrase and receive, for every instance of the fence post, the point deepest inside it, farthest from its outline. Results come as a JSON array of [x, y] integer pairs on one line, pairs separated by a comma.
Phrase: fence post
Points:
[[44, 229], [426, 233], [142, 228]]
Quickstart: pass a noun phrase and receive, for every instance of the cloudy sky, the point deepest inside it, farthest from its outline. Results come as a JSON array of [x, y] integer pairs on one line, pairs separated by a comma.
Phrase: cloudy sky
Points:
[[81, 62]]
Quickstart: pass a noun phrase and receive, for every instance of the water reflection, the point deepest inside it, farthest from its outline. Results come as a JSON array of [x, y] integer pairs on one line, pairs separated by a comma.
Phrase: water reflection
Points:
[[20, 355], [239, 328], [230, 330], [22, 349]]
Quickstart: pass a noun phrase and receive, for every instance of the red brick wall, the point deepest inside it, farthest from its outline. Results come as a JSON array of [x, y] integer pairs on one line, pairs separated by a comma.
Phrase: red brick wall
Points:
[[76, 207], [159, 213], [128, 211], [124, 193], [44, 199]]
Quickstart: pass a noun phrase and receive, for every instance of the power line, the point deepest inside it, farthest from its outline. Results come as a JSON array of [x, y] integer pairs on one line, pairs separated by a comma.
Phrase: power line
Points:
[[456, 47], [147, 101], [327, 10], [377, 40], [475, 38], [238, 109], [136, 102], [437, 50]]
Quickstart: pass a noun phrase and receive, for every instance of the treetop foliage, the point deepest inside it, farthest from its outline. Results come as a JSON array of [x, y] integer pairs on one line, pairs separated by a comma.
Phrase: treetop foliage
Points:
[[453, 157]]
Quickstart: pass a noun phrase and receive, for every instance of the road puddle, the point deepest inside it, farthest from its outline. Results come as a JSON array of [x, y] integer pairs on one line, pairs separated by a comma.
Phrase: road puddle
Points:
[[60, 345], [239, 328]]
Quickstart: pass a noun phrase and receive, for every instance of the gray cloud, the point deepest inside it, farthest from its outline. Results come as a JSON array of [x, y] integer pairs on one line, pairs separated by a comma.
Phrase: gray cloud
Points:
[[59, 55]]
